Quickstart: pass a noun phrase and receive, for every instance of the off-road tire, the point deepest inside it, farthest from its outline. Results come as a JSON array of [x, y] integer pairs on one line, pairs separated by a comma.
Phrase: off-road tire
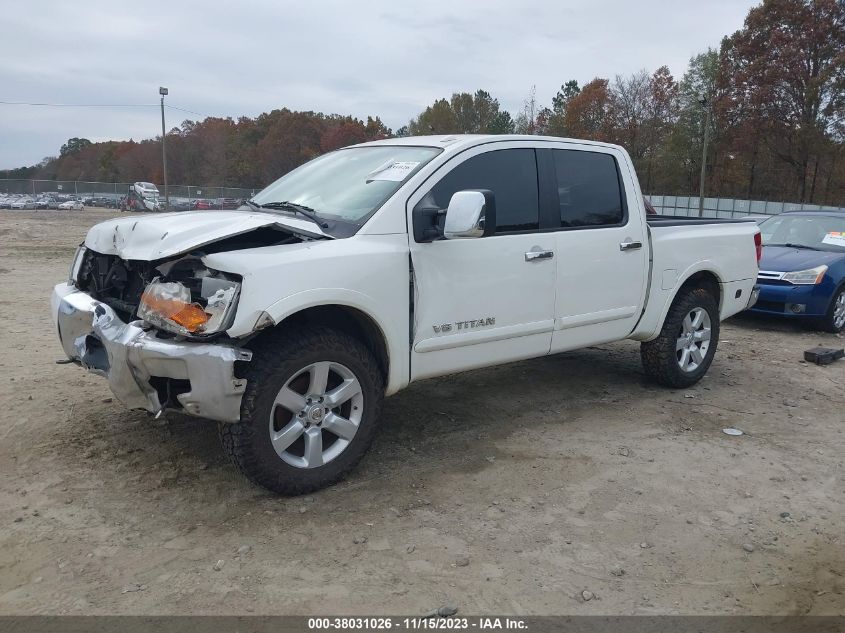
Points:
[[280, 356], [659, 356]]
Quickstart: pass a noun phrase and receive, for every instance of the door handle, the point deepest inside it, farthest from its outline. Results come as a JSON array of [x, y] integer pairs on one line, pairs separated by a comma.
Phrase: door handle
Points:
[[533, 256], [629, 245]]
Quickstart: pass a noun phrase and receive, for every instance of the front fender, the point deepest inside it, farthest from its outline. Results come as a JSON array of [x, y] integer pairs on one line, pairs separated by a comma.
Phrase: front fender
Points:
[[392, 335]]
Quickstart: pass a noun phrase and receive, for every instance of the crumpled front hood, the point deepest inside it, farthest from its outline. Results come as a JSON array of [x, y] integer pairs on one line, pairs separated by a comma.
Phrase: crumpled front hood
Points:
[[153, 237], [787, 259]]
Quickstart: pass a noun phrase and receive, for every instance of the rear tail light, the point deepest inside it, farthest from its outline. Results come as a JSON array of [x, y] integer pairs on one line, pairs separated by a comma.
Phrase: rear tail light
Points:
[[758, 245]]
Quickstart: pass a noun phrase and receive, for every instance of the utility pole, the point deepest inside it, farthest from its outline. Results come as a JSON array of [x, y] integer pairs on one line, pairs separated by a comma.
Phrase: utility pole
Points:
[[704, 100], [163, 92]]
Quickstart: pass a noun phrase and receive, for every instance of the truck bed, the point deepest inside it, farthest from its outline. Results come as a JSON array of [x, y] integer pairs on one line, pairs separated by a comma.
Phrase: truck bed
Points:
[[682, 220], [682, 246]]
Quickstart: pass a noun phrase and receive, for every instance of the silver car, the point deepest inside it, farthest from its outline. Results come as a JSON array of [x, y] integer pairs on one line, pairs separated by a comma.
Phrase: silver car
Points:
[[23, 203]]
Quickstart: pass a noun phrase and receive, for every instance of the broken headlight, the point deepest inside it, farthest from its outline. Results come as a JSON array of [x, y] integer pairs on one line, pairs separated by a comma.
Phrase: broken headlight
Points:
[[195, 307], [75, 265]]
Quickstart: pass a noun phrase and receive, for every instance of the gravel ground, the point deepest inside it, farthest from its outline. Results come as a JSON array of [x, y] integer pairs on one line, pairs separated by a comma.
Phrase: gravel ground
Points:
[[564, 485]]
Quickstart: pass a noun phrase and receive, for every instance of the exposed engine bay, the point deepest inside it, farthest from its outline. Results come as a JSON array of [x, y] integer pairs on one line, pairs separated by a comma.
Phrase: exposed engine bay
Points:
[[179, 294]]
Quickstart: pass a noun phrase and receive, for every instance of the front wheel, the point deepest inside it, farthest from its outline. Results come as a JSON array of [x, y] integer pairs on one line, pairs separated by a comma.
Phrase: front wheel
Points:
[[834, 320], [680, 356], [309, 413]]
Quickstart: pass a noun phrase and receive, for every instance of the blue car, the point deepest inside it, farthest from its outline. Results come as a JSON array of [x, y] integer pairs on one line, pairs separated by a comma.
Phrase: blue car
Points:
[[802, 270]]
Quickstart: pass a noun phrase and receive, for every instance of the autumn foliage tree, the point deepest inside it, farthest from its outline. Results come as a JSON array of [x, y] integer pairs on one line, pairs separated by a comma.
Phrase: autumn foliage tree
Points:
[[782, 78], [589, 114]]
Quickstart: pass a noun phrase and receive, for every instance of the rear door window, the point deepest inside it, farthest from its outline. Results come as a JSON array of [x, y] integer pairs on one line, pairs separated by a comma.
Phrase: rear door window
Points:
[[589, 192]]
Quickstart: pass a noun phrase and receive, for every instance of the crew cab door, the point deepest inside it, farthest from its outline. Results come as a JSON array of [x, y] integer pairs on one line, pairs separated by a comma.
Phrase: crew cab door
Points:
[[601, 245], [485, 300]]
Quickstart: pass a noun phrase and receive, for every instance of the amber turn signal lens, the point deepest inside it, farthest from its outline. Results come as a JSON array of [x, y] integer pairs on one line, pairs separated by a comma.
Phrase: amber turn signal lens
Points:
[[189, 315]]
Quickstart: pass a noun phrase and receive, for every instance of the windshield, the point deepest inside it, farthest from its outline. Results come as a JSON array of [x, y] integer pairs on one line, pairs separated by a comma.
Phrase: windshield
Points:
[[349, 184], [819, 232]]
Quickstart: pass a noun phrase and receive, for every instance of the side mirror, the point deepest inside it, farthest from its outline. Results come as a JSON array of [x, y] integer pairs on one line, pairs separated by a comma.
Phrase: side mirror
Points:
[[470, 214]]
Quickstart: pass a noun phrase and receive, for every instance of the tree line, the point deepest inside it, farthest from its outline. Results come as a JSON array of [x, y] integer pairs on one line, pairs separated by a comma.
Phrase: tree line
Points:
[[775, 90], [247, 152]]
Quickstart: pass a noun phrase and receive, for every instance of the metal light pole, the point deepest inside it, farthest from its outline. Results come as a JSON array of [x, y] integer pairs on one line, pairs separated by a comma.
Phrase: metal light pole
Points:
[[163, 92], [704, 100]]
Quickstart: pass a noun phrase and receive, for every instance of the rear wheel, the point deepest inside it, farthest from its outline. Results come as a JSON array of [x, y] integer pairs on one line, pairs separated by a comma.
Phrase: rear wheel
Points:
[[309, 413], [683, 351]]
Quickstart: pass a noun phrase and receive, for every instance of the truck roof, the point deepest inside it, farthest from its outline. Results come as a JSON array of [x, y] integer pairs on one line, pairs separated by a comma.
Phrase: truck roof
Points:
[[458, 142]]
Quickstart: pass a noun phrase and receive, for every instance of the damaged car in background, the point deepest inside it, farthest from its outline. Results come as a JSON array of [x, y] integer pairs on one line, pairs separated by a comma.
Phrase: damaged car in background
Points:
[[289, 320]]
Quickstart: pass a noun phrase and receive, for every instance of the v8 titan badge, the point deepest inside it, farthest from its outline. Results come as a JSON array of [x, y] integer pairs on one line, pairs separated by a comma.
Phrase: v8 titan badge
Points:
[[464, 325]]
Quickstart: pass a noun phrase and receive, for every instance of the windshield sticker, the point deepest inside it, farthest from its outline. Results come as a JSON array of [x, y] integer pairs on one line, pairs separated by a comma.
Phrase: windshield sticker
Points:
[[395, 171], [834, 238]]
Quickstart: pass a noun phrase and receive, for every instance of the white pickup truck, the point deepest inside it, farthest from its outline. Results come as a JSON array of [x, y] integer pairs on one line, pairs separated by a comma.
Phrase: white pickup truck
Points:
[[290, 319]]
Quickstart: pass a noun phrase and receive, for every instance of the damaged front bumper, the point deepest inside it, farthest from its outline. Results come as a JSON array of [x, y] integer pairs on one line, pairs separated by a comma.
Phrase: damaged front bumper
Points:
[[129, 356]]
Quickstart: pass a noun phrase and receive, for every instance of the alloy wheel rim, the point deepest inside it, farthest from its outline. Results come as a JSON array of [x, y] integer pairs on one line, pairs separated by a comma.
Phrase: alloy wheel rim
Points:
[[839, 311], [693, 340], [316, 414]]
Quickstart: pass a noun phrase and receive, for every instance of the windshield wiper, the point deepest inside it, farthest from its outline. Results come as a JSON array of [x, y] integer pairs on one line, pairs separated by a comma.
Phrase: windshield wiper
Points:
[[791, 245], [284, 205]]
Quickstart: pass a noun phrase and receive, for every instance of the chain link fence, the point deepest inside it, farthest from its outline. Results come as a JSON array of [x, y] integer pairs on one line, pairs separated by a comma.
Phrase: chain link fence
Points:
[[728, 207], [112, 194], [188, 197]]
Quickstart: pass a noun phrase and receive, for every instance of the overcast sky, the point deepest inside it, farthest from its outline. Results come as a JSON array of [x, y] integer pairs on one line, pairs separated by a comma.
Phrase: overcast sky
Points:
[[362, 57]]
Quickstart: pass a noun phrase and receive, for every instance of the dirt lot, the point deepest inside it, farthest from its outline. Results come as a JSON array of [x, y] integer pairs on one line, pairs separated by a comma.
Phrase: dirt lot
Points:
[[510, 490]]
